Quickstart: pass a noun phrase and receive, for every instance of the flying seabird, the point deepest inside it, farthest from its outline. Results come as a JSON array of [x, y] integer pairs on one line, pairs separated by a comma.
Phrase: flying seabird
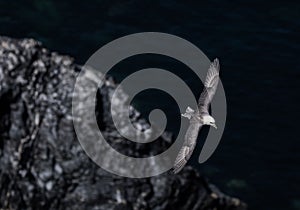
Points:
[[199, 117]]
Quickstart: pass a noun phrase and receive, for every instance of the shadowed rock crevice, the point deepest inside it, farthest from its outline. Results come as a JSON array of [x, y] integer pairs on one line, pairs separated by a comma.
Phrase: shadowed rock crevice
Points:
[[42, 165]]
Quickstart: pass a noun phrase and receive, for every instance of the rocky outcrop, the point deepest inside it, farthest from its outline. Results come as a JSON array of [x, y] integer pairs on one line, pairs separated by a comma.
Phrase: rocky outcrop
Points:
[[42, 165]]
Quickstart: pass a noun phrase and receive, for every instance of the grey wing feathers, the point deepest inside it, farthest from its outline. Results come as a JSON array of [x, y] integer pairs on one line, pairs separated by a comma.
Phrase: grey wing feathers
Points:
[[188, 146], [210, 86]]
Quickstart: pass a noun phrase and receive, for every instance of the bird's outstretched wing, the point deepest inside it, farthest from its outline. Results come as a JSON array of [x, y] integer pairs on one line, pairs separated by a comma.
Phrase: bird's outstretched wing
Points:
[[210, 86], [188, 146]]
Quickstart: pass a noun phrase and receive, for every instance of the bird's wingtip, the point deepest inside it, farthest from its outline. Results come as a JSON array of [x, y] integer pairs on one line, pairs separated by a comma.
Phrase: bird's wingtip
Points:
[[175, 171], [216, 64], [178, 166]]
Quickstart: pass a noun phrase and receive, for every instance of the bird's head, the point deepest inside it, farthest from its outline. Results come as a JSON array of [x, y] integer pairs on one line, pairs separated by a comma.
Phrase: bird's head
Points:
[[209, 120]]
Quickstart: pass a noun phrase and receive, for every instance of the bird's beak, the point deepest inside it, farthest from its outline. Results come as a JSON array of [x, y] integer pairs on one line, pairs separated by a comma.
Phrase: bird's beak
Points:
[[214, 125]]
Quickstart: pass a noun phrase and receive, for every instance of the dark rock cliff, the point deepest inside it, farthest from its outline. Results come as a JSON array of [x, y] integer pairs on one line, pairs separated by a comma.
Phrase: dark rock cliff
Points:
[[42, 165]]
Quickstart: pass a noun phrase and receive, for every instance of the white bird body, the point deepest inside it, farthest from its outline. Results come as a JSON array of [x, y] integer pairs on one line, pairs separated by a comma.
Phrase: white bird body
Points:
[[198, 118]]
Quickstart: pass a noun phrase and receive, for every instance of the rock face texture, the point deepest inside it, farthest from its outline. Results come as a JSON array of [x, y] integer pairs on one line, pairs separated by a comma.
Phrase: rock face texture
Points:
[[42, 165]]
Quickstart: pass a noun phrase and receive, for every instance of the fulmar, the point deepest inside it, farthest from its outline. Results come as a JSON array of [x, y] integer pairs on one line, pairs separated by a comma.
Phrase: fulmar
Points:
[[198, 118]]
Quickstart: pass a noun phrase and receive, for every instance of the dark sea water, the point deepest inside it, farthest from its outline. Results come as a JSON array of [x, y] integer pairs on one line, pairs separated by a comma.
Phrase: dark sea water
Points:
[[258, 159]]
